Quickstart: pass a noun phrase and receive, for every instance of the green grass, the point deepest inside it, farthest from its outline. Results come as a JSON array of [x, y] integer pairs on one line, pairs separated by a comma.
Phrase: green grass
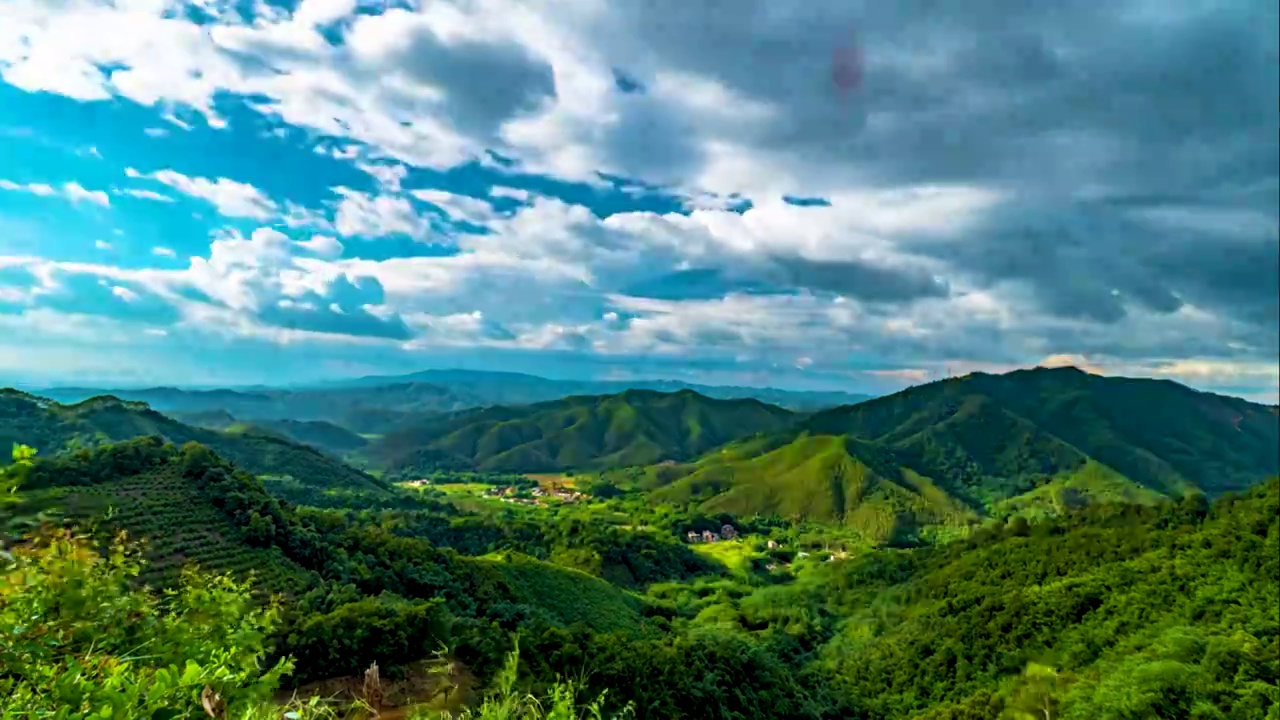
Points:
[[736, 556]]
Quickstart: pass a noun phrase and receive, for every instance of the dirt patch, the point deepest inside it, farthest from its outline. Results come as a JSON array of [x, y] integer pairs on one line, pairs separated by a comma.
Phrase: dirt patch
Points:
[[422, 687]]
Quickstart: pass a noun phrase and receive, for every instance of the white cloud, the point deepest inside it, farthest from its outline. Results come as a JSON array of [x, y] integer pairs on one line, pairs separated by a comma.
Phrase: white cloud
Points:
[[72, 191], [459, 207], [146, 195], [969, 189], [163, 252], [102, 244], [233, 199], [369, 215], [322, 245]]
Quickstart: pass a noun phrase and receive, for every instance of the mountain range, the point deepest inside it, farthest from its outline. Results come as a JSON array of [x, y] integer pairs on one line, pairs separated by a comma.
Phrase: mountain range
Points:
[[954, 451], [376, 404], [941, 455], [944, 454]]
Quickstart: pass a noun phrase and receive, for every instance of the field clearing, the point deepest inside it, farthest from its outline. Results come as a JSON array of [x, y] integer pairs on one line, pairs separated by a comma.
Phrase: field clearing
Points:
[[461, 488], [551, 480], [735, 555]]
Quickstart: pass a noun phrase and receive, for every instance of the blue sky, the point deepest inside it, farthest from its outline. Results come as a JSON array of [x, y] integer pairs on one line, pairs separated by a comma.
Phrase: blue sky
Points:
[[238, 191]]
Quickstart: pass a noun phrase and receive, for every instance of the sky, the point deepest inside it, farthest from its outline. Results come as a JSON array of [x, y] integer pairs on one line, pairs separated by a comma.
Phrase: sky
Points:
[[210, 192]]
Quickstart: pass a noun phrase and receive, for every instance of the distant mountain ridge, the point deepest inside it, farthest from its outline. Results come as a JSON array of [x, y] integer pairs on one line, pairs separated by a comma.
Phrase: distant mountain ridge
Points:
[[634, 427], [378, 404], [362, 409], [507, 388]]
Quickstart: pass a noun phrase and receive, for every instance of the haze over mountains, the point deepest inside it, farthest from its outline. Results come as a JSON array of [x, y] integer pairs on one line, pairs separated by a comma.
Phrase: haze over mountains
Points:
[[429, 390]]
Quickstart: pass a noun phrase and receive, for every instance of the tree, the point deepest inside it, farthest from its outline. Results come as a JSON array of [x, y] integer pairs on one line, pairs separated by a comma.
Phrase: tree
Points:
[[1038, 694]]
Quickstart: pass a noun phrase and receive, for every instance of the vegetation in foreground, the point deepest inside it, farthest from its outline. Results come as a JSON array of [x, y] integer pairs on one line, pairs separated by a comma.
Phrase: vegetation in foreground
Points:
[[1108, 611]]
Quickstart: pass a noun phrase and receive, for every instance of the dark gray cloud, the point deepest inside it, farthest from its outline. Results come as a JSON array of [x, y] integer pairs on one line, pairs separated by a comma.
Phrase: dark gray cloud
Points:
[[485, 83], [860, 280]]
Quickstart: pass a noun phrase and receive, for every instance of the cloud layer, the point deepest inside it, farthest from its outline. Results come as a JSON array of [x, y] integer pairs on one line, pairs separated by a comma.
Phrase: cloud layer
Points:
[[581, 186]]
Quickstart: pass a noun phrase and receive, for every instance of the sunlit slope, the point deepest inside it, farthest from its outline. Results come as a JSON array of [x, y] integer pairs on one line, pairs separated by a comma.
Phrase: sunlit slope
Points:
[[636, 427], [948, 453]]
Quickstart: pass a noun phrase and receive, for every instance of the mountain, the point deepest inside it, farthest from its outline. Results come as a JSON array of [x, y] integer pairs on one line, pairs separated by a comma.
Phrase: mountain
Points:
[[371, 409], [51, 427], [951, 452], [317, 433], [505, 388], [635, 427]]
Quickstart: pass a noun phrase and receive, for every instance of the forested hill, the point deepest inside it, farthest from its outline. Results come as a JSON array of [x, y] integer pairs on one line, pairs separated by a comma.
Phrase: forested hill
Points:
[[953, 451], [51, 428], [635, 427]]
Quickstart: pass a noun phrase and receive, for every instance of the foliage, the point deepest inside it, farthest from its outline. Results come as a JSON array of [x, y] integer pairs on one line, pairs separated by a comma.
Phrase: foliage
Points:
[[505, 701], [78, 640], [1069, 589], [13, 522]]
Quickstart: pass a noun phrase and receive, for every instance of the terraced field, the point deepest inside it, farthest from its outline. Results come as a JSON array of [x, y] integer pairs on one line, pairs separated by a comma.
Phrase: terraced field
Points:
[[175, 525]]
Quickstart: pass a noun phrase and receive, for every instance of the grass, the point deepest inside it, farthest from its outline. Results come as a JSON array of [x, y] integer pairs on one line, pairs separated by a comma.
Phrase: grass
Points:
[[463, 488], [735, 555]]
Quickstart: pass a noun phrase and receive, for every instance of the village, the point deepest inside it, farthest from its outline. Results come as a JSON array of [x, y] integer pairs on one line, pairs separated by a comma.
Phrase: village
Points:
[[540, 495]]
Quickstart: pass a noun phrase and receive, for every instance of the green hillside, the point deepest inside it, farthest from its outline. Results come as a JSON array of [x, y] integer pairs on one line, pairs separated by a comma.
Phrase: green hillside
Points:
[[636, 427], [951, 452], [187, 505], [317, 433], [139, 487], [51, 428]]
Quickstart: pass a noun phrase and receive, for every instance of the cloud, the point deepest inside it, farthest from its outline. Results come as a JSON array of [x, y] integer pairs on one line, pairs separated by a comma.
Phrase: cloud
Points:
[[233, 199], [322, 245], [146, 195], [1010, 183], [369, 215], [72, 191]]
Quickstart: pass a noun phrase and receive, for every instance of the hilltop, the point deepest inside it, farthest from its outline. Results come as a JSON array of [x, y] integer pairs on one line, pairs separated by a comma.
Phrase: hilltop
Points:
[[954, 451], [635, 427], [51, 428]]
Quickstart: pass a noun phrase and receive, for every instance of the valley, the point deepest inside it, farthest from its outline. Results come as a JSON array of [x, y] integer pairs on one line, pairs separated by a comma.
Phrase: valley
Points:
[[959, 549]]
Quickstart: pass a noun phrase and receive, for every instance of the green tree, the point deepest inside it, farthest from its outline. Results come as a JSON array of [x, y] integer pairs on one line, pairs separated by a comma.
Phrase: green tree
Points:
[[1038, 694]]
